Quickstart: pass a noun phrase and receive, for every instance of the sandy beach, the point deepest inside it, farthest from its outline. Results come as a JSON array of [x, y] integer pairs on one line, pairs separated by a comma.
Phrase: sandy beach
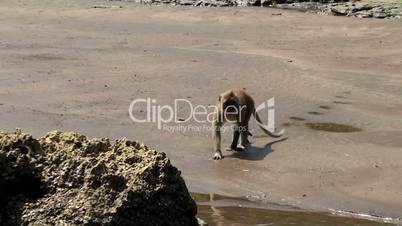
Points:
[[66, 65]]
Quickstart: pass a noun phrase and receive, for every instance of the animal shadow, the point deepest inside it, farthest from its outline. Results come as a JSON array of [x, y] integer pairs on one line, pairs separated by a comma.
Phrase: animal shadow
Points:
[[254, 153]]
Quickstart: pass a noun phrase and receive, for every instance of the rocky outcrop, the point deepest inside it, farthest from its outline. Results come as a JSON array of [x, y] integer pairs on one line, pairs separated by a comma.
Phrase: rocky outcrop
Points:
[[67, 179], [354, 9], [20, 174], [364, 10], [327, 7], [223, 3]]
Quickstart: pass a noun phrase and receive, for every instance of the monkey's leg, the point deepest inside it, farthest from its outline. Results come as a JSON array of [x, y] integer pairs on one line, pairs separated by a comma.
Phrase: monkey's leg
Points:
[[244, 128], [244, 137], [248, 135], [235, 141], [217, 138]]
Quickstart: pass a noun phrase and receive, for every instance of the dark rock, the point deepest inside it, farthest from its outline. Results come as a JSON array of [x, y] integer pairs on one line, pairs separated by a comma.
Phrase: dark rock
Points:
[[360, 7], [186, 2], [340, 10], [395, 12], [379, 15], [363, 14], [324, 7], [20, 168], [214, 3], [356, 9], [67, 179]]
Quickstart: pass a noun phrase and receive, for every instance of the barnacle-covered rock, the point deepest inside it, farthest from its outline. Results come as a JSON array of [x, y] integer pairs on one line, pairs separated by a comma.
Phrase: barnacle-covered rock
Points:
[[72, 180]]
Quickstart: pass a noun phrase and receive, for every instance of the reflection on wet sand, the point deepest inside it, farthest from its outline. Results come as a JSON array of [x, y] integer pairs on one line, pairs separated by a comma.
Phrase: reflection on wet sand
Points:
[[219, 210]]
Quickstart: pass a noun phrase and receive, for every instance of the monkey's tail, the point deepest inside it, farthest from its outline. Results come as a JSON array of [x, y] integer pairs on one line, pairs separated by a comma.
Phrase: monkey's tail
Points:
[[272, 134]]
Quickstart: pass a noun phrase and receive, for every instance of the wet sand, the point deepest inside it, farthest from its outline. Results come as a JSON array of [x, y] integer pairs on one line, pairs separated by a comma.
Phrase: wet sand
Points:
[[66, 65], [221, 210]]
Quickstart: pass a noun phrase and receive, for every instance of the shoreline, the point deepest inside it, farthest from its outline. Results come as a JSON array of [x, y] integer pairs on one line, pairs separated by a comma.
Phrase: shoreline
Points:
[[243, 202]]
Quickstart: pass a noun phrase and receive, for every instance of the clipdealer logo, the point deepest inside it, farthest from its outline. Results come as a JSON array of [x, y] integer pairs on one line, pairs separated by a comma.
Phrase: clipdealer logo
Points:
[[166, 115]]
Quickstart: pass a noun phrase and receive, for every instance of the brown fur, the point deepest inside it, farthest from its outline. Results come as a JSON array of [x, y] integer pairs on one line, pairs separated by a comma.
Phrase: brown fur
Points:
[[235, 106]]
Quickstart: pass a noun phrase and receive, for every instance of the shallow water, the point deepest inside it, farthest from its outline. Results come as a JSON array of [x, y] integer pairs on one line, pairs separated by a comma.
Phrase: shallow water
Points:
[[324, 107], [226, 211], [297, 118], [332, 127], [315, 113]]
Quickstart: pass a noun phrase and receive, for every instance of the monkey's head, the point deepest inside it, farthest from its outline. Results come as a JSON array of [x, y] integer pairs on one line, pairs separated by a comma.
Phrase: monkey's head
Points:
[[229, 102]]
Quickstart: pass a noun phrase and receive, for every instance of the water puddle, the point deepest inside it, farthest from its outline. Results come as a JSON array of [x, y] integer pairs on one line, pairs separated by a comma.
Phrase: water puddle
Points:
[[219, 210], [333, 127], [340, 102], [315, 113], [340, 97], [324, 107], [297, 118]]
